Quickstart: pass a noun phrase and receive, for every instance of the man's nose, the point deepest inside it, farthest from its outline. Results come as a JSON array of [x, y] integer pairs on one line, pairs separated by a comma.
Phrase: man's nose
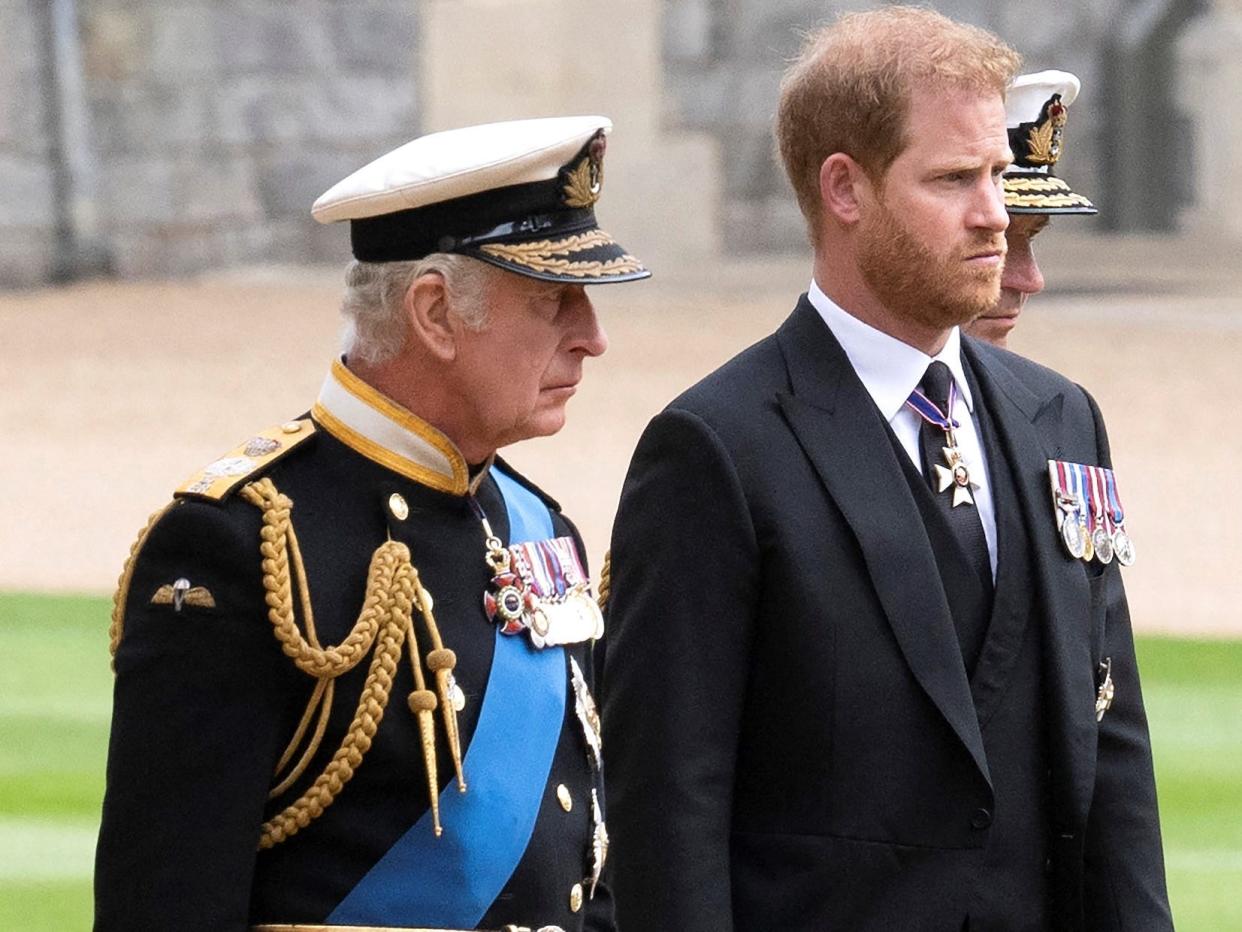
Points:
[[1021, 270], [587, 333], [990, 213]]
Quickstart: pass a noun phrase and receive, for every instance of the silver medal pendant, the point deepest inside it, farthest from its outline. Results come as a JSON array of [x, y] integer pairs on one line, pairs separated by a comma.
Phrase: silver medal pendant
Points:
[[1102, 542], [1123, 547], [1073, 537]]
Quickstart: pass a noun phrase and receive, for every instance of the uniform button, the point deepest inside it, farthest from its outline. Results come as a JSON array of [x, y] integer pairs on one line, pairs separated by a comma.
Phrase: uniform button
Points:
[[981, 819], [575, 898], [1048, 866], [562, 794], [396, 504]]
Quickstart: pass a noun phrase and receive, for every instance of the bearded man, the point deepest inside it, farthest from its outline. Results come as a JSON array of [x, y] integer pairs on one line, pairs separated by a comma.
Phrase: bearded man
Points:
[[862, 673]]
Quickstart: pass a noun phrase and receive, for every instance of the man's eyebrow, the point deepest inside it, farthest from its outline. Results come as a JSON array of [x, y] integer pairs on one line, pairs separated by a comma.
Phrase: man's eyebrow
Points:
[[959, 165]]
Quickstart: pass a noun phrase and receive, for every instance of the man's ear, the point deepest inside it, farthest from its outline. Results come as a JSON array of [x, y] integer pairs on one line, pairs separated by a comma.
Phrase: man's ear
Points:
[[843, 188], [427, 309]]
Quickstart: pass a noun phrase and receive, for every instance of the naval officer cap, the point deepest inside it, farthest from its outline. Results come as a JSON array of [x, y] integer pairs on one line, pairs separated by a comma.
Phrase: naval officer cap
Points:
[[1036, 110], [519, 195]]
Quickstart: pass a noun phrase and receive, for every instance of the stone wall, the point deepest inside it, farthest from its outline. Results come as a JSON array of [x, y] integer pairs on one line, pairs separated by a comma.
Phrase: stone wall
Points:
[[215, 124], [27, 217], [724, 59]]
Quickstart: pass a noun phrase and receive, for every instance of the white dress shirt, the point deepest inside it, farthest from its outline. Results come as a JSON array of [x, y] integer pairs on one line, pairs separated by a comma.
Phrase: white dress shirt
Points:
[[890, 371]]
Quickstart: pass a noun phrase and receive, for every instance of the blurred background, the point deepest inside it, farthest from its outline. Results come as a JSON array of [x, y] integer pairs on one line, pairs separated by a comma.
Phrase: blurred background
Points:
[[164, 293]]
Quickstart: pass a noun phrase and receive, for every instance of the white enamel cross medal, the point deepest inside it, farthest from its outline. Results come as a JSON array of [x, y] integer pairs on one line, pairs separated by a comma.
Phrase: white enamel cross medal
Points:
[[955, 473], [955, 476]]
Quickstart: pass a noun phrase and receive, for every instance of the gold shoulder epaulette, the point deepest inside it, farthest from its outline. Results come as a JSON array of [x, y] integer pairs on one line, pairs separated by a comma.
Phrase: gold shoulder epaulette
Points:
[[216, 480]]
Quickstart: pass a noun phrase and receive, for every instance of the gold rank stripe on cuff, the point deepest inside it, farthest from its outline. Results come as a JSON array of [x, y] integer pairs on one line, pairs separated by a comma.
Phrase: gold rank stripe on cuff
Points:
[[381, 430], [217, 479]]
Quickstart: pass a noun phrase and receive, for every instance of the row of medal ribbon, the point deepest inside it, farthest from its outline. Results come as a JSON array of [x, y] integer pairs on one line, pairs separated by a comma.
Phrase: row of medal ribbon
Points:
[[1089, 513]]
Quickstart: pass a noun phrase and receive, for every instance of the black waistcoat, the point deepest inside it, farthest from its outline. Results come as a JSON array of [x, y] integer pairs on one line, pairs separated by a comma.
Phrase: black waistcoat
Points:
[[1012, 893], [1011, 890]]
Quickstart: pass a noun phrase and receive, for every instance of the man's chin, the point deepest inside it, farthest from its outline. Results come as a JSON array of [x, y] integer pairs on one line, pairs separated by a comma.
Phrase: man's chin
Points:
[[993, 329]]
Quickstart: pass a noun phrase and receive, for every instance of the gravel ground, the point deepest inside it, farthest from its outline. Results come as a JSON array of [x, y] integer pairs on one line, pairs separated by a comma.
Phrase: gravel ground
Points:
[[111, 394]]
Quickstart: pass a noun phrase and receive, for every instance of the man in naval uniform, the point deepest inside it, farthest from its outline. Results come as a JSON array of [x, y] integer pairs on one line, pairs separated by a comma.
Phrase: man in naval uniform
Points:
[[352, 656], [1036, 109], [855, 680]]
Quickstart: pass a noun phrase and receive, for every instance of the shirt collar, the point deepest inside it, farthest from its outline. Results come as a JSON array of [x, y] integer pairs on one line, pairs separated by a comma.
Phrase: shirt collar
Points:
[[889, 369], [381, 430]]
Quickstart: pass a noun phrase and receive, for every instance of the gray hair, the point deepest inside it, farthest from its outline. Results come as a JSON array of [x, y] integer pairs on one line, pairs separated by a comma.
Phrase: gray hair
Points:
[[375, 321]]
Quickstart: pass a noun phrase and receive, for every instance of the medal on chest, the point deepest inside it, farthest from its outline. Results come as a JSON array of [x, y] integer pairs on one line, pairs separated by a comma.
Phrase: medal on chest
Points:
[[954, 473], [1088, 512], [540, 587]]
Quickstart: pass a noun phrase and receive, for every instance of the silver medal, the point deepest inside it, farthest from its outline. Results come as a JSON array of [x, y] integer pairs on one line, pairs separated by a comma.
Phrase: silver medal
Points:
[[1102, 541], [1123, 547], [1072, 536]]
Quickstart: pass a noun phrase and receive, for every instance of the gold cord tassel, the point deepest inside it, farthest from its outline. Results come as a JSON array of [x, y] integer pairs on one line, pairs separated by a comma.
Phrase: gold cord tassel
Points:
[[422, 700], [442, 661]]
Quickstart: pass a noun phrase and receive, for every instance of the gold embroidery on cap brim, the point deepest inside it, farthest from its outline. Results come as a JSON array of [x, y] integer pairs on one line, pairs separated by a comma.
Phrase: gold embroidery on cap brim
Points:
[[1046, 200], [1044, 183], [547, 256]]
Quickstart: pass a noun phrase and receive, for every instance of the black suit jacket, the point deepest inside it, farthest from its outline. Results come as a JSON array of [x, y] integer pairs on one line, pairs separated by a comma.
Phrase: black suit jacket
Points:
[[790, 733]]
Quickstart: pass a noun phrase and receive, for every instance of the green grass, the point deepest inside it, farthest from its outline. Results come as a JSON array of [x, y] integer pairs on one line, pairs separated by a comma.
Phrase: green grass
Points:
[[55, 687], [1193, 692], [55, 696]]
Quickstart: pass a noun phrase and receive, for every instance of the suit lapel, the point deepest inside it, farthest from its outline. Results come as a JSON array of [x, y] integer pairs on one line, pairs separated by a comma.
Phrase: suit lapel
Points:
[[843, 434], [1028, 427]]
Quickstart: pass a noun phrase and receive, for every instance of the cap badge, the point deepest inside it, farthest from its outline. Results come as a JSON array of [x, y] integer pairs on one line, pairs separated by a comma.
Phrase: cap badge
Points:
[[1044, 138], [583, 180]]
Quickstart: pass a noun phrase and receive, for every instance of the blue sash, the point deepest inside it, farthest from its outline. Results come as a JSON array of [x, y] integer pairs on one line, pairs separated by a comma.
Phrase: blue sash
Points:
[[452, 881]]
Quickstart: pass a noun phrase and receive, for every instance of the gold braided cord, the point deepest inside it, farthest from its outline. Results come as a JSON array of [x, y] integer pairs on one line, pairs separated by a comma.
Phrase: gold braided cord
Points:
[[388, 574], [324, 691], [386, 622], [275, 548], [605, 580], [116, 627]]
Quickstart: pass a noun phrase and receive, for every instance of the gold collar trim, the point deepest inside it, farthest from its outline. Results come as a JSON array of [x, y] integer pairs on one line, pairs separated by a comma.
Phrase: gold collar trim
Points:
[[381, 430]]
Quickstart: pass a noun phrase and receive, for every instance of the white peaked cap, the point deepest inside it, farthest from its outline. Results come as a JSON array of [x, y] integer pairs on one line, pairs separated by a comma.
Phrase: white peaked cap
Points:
[[458, 162], [519, 195]]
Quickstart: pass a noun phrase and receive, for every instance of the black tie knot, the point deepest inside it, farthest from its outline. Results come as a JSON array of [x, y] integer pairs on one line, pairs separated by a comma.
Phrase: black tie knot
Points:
[[935, 385]]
